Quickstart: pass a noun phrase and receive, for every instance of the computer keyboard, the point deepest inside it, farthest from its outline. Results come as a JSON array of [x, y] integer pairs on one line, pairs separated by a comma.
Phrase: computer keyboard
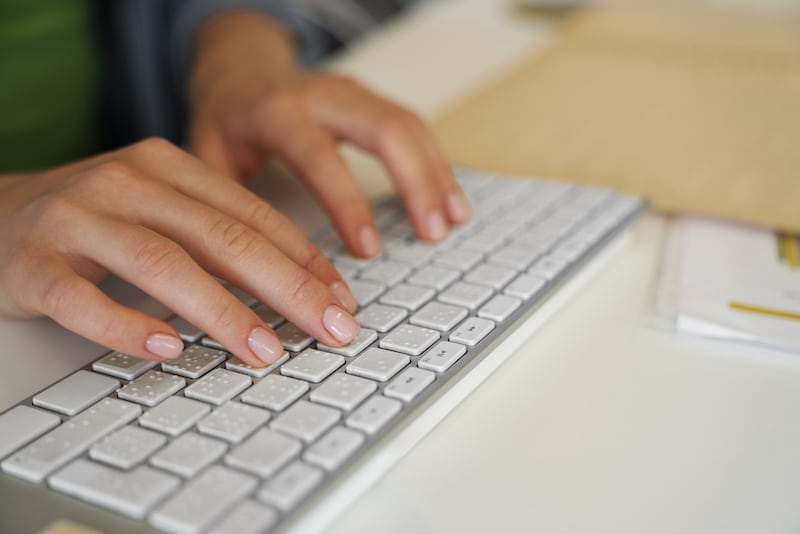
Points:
[[206, 443]]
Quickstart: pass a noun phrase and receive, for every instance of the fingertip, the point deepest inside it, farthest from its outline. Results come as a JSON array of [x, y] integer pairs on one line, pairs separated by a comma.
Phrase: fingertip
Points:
[[369, 241], [458, 208], [164, 346], [265, 345], [340, 324], [344, 296]]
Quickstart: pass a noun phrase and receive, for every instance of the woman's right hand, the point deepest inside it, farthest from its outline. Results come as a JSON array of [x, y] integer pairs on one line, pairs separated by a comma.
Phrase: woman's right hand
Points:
[[164, 221]]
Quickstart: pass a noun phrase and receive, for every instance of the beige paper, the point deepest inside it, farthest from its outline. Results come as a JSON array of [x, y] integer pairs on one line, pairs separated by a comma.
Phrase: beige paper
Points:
[[699, 110]]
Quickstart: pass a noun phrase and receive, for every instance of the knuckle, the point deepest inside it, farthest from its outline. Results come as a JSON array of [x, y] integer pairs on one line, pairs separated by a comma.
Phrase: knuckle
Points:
[[234, 239], [225, 314], [393, 128], [153, 147], [300, 285], [158, 258], [111, 175], [278, 103], [56, 296]]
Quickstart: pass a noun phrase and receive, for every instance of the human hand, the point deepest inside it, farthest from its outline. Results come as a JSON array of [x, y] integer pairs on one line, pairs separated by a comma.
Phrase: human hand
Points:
[[250, 102], [162, 220]]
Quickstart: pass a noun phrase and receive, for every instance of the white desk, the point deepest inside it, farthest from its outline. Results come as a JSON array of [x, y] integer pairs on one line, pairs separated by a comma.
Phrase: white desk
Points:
[[598, 423]]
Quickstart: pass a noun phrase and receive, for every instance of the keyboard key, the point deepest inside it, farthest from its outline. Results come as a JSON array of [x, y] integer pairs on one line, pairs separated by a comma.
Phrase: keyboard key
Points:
[[330, 451], [514, 256], [219, 386], [312, 365], [414, 253], [386, 272], [494, 276], [442, 356], [235, 364], [464, 294], [123, 366], [343, 391], [152, 388], [434, 276], [363, 339], [409, 339], [275, 392], [127, 447], [408, 296], [472, 331], [378, 364], [459, 258], [188, 332], [409, 384], [70, 439], [374, 414], [380, 317], [189, 454], [248, 517], [174, 416], [290, 486], [293, 338], [194, 361], [264, 453], [76, 392], [203, 500], [439, 316], [499, 308], [131, 493], [548, 267], [233, 421], [365, 291], [22, 424], [525, 286], [306, 420]]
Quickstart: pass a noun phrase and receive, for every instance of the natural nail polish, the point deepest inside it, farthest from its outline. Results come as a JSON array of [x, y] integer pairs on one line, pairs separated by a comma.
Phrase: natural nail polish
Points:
[[344, 296], [264, 345], [340, 324], [457, 206], [437, 227], [370, 241], [164, 345]]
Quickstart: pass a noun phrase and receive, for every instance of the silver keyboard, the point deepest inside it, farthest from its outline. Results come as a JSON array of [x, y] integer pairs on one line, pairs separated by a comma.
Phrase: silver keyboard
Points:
[[206, 443]]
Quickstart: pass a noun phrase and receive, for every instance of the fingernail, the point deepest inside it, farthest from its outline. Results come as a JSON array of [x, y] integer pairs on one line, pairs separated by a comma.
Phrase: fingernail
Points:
[[164, 345], [340, 324], [437, 227], [457, 206], [370, 241], [264, 345], [344, 296]]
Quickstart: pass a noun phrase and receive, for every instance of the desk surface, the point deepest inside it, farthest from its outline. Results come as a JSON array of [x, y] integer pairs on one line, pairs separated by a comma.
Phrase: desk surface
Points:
[[599, 423]]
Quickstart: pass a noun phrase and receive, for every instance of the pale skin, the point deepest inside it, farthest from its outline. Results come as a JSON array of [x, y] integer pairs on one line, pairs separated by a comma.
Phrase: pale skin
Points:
[[168, 221]]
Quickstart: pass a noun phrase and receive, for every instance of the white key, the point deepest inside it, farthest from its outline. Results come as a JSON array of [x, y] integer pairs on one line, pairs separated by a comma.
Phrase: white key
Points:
[[212, 343], [233, 421], [270, 317], [536, 240], [571, 248], [188, 454], [408, 296], [363, 339], [459, 258], [248, 517], [174, 416], [343, 391], [465, 294], [127, 447], [76, 392], [442, 356], [152, 388], [414, 253], [334, 448], [472, 331], [409, 339], [306, 420], [235, 364], [494, 276], [380, 317], [514, 256], [312, 365], [195, 361], [290, 486], [548, 267], [374, 414], [489, 238], [292, 337], [386, 272], [22, 424], [499, 308], [203, 500], [275, 392], [434, 276], [525, 286], [409, 384], [439, 316], [123, 366], [188, 332], [130, 493], [378, 364], [365, 291], [264, 453], [73, 437], [218, 386]]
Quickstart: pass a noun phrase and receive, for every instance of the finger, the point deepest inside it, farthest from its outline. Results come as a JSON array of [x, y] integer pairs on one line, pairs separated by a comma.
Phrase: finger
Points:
[[312, 154], [80, 306], [206, 143]]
